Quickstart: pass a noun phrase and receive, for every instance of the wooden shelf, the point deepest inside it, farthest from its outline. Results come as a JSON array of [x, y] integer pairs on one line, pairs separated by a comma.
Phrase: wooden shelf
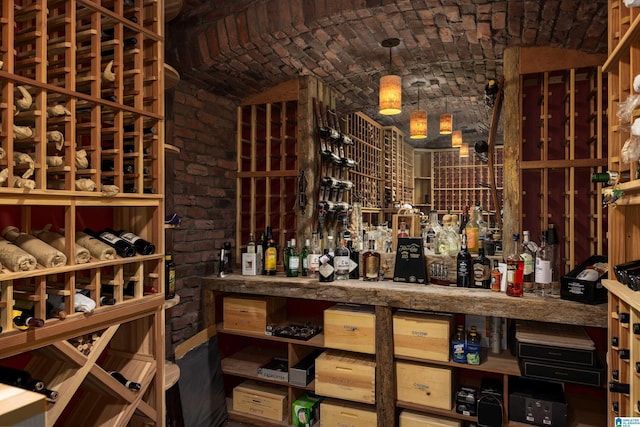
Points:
[[316, 341], [503, 363], [623, 46], [171, 374], [172, 302]]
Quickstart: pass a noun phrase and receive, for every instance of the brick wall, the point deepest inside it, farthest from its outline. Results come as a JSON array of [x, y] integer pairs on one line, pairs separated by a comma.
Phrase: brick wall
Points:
[[200, 188]]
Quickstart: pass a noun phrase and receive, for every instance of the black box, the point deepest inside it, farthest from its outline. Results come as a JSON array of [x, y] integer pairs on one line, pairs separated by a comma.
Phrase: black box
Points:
[[586, 375], [585, 291], [467, 401], [552, 353], [536, 402], [303, 372], [620, 271]]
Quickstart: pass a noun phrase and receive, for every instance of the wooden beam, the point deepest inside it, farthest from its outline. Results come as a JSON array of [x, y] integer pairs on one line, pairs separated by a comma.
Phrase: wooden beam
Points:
[[286, 91], [385, 370], [538, 59]]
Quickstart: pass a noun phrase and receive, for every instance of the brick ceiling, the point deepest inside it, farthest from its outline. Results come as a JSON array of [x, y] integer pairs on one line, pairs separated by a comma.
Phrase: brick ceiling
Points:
[[236, 48]]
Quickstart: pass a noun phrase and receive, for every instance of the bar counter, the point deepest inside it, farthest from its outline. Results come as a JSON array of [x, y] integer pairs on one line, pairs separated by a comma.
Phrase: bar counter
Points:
[[419, 297]]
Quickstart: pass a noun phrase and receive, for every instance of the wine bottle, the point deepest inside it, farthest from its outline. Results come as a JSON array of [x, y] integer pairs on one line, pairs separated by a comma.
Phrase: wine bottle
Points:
[[142, 246], [24, 320], [614, 341], [624, 354], [616, 387], [50, 394], [122, 247], [19, 378], [326, 269], [122, 380], [107, 300], [464, 265], [169, 277], [615, 374], [624, 317]]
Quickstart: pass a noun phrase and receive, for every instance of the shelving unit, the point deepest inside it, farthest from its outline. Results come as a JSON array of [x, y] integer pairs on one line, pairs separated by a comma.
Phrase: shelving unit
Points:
[[94, 70], [621, 67]]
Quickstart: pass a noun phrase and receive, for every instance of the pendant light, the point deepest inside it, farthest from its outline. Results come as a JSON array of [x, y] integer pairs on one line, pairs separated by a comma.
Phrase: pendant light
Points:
[[464, 150], [390, 86], [446, 121], [456, 139], [418, 122]]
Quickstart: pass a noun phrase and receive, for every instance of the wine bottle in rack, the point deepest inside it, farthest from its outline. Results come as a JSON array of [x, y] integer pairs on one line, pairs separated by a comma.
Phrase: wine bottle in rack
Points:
[[636, 328], [624, 354], [19, 378], [616, 387], [50, 394], [624, 318], [615, 374], [142, 246], [122, 380], [24, 320], [107, 300], [122, 247]]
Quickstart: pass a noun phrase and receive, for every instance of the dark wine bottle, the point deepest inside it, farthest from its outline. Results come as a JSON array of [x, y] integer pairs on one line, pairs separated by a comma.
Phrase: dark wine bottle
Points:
[[636, 328], [616, 387], [18, 378], [122, 247], [615, 406], [142, 246], [122, 380], [107, 300], [614, 341], [624, 354], [51, 394], [25, 320], [615, 374], [624, 317]]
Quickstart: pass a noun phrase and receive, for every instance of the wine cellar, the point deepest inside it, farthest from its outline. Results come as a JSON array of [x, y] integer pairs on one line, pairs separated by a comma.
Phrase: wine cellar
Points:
[[82, 151]]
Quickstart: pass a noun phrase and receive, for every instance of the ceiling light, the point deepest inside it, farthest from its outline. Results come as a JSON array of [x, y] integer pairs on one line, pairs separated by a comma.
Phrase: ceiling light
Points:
[[446, 121], [464, 150], [456, 138], [418, 123], [390, 86]]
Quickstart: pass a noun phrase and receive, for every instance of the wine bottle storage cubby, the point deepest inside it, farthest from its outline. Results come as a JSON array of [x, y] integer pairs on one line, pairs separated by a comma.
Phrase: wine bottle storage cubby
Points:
[[82, 150]]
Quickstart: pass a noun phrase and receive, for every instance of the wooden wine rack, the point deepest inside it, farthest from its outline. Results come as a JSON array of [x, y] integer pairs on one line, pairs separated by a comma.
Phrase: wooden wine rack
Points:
[[94, 70]]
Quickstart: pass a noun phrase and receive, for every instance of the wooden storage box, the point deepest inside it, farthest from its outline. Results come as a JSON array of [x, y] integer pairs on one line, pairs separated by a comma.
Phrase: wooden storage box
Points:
[[424, 385], [261, 400], [334, 414], [350, 327], [346, 375], [252, 314], [415, 419], [422, 335]]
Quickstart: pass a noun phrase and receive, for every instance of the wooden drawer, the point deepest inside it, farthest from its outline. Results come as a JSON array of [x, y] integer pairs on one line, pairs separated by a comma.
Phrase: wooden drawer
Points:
[[424, 385], [346, 375], [415, 419], [350, 327], [333, 414], [252, 314], [260, 400], [422, 335]]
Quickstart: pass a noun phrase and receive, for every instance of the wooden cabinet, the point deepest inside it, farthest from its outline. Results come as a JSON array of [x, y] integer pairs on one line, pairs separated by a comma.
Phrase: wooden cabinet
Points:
[[81, 146], [244, 352], [622, 67]]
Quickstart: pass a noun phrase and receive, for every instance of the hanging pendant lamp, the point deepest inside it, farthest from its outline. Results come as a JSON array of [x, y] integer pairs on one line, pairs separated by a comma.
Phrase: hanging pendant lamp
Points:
[[446, 121], [390, 86], [418, 122], [464, 150], [456, 138]]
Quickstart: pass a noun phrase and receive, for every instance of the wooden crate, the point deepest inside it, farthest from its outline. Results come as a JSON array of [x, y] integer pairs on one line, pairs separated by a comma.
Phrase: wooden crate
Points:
[[350, 327], [252, 314], [261, 400], [333, 414], [422, 335], [346, 375], [415, 419], [424, 385]]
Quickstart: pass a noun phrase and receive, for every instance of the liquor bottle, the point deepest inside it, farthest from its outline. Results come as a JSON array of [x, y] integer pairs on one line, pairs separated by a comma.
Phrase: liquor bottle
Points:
[[260, 253], [292, 259], [610, 177], [515, 269], [528, 257], [326, 270], [554, 243], [123, 248], [122, 380], [459, 345], [402, 228], [169, 277], [430, 232], [24, 320], [472, 230], [304, 258], [251, 245], [142, 246], [496, 277], [544, 258], [354, 261], [50, 394], [314, 255], [473, 348], [481, 268], [270, 253], [623, 317], [371, 262], [341, 260], [464, 266], [464, 219]]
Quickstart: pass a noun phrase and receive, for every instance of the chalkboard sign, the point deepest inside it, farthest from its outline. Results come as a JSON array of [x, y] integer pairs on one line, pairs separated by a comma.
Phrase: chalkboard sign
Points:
[[411, 266]]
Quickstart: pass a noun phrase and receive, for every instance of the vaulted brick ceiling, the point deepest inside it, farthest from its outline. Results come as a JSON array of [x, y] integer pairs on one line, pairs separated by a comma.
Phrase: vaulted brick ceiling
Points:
[[236, 48]]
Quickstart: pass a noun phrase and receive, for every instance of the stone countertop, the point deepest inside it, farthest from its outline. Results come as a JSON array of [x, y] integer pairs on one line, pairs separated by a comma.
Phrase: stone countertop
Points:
[[419, 297]]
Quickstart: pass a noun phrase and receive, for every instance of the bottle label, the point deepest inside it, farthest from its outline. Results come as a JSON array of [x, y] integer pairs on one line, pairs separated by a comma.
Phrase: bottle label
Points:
[[110, 237], [294, 262], [543, 271], [481, 274], [352, 265], [314, 262], [270, 259], [372, 267], [130, 237], [342, 264], [326, 269], [472, 239], [528, 263], [458, 351], [305, 263], [251, 249]]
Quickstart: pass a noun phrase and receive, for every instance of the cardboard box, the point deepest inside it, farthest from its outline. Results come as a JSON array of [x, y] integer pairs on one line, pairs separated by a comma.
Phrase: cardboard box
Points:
[[334, 414], [584, 291], [424, 385], [251, 264], [415, 419], [422, 335], [535, 402], [350, 327], [260, 400], [305, 412], [346, 375], [252, 314]]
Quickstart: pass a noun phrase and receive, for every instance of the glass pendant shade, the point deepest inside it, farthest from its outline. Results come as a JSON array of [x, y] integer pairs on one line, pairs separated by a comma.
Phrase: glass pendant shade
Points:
[[390, 95], [418, 124], [464, 150], [456, 138], [446, 124]]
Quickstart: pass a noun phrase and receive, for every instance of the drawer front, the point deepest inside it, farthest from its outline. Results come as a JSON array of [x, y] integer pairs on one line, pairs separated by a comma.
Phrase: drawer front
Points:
[[414, 419], [350, 328], [339, 415], [422, 335], [424, 385], [260, 401], [346, 376], [252, 314]]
